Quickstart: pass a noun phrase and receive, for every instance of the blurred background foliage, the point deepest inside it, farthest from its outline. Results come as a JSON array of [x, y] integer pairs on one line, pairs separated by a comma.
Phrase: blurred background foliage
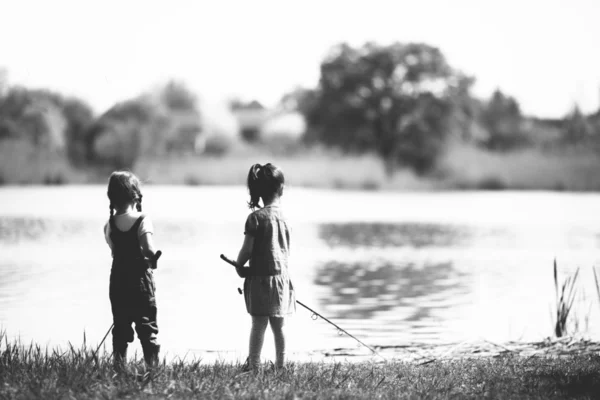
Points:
[[395, 116]]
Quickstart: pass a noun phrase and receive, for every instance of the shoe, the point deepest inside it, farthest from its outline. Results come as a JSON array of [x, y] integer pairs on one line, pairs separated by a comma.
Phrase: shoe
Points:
[[151, 354], [119, 355], [246, 366], [275, 369]]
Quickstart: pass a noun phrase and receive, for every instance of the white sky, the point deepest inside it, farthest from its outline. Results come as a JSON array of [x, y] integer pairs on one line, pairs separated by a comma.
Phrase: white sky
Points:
[[546, 53]]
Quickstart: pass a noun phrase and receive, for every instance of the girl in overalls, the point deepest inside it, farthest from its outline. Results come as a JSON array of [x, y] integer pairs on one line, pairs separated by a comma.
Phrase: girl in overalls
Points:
[[268, 290], [128, 232]]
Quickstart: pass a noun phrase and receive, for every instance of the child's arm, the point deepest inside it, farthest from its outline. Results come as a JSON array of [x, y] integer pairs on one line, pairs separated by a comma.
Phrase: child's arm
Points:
[[244, 255], [107, 236], [148, 251]]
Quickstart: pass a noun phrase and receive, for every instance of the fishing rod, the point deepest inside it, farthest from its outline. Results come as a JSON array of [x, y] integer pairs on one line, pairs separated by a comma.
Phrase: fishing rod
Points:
[[152, 266], [315, 314]]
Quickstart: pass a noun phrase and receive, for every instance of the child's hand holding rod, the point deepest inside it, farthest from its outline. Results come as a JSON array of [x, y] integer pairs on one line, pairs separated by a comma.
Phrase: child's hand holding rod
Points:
[[240, 269], [153, 261]]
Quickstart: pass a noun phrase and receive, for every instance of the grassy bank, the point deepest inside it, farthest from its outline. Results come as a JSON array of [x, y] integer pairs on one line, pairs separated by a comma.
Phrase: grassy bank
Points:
[[316, 169], [32, 372], [528, 169], [463, 167]]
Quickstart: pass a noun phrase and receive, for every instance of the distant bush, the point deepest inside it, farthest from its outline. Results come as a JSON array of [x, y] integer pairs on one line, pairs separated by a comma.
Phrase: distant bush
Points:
[[576, 127], [218, 145], [349, 184], [55, 179], [370, 185], [192, 180], [491, 183]]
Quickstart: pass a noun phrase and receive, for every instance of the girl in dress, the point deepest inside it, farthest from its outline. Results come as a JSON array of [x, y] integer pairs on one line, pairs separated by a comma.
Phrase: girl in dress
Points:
[[268, 290]]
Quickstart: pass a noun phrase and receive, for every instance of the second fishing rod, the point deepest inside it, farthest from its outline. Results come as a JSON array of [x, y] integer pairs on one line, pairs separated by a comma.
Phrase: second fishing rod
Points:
[[314, 313]]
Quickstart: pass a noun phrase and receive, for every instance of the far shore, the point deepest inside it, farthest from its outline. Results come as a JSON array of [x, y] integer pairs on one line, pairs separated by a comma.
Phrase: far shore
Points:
[[462, 167]]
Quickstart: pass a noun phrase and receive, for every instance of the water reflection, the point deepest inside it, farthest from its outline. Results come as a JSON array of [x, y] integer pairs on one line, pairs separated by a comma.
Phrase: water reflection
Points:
[[416, 235], [14, 230], [18, 229], [363, 288], [478, 274]]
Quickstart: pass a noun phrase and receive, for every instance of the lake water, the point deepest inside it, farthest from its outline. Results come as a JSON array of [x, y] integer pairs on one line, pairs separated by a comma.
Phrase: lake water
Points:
[[393, 269]]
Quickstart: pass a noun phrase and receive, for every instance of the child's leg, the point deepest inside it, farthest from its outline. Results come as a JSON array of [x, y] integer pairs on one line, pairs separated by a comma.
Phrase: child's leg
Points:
[[122, 334], [257, 337], [277, 324], [147, 331]]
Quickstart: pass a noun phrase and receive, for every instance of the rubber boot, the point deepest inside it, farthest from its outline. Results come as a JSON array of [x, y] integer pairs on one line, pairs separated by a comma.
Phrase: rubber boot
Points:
[[119, 355], [151, 354]]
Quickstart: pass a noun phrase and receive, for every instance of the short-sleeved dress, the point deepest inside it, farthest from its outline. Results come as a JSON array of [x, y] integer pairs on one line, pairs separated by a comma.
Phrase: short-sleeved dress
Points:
[[268, 289]]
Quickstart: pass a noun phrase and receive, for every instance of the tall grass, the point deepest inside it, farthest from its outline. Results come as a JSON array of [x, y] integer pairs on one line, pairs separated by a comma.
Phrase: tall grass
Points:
[[597, 282], [564, 301], [28, 371]]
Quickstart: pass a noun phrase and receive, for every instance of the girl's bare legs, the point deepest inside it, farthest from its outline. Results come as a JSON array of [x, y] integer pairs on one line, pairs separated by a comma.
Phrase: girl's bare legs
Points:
[[277, 324], [257, 337]]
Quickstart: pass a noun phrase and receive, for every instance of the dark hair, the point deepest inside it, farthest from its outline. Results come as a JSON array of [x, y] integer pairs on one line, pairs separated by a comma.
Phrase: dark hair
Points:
[[124, 188], [264, 181]]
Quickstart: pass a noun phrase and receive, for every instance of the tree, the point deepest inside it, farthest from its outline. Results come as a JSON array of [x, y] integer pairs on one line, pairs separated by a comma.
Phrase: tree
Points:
[[502, 118], [34, 115], [394, 100], [116, 138], [176, 96], [576, 127], [79, 118], [299, 99]]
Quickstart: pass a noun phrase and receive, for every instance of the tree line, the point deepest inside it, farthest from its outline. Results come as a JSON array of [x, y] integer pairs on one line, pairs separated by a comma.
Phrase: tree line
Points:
[[403, 101], [153, 123]]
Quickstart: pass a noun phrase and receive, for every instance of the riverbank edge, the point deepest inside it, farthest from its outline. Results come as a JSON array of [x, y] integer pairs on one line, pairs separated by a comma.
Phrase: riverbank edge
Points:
[[563, 368], [427, 353], [414, 353]]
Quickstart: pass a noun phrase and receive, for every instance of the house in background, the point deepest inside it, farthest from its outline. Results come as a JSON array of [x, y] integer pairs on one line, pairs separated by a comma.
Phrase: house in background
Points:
[[257, 122], [250, 117]]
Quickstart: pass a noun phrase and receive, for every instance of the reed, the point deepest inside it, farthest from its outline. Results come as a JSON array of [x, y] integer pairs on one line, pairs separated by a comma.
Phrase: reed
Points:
[[564, 299]]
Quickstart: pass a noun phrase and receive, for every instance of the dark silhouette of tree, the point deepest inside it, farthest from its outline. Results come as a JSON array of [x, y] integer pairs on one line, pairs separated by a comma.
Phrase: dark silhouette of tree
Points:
[[393, 100], [176, 96], [576, 127], [502, 118], [79, 117]]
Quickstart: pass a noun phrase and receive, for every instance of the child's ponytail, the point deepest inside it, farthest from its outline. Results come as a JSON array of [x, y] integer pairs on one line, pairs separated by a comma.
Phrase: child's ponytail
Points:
[[254, 185], [264, 181]]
